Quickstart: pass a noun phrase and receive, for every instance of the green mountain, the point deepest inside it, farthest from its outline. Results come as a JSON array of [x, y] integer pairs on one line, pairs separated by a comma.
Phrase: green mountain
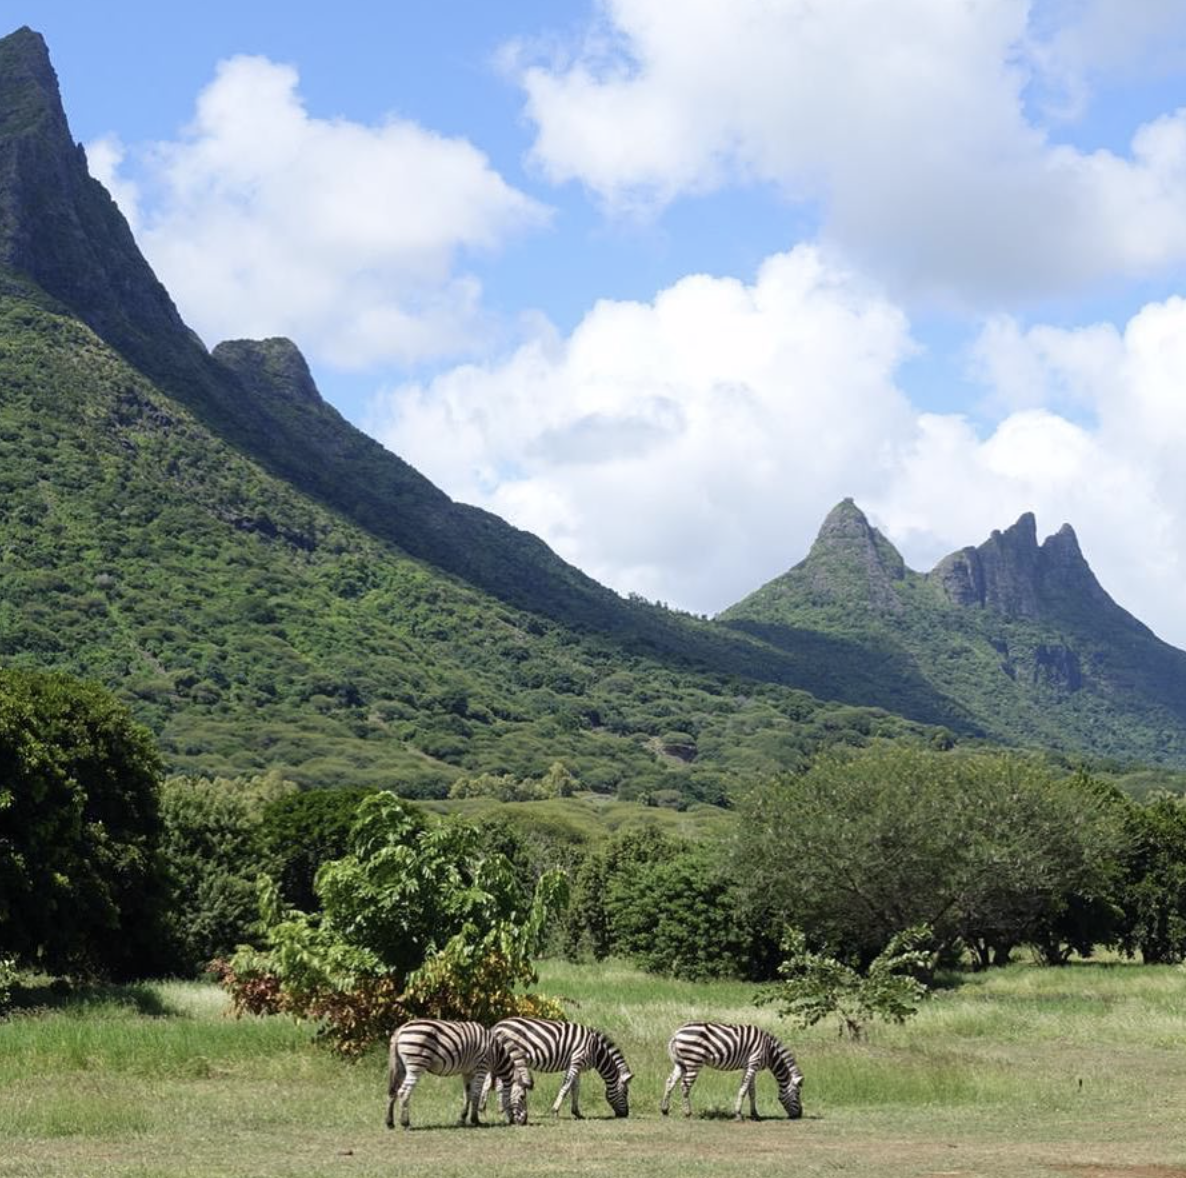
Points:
[[1012, 639], [269, 588]]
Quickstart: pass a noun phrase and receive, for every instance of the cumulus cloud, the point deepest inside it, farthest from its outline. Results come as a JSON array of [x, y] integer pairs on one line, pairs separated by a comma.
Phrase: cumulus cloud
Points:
[[689, 447], [680, 448], [264, 220], [906, 120]]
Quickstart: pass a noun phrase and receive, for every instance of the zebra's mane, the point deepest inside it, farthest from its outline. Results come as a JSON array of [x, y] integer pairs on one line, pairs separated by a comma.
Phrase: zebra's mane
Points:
[[609, 1058]]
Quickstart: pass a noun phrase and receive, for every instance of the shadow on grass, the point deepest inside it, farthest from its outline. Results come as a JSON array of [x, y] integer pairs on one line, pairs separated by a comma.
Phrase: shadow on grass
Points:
[[726, 1114], [62, 995]]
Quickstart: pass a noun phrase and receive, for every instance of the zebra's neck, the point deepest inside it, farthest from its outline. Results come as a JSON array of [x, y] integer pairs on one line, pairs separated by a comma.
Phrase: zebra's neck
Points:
[[607, 1059], [780, 1061]]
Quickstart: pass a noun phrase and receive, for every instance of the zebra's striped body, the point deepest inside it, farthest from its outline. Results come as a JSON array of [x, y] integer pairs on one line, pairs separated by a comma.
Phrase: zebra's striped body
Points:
[[464, 1049], [548, 1045], [732, 1048]]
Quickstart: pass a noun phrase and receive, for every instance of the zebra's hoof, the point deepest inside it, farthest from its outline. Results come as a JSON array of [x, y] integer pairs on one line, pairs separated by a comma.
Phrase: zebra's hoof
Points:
[[577, 1116], [662, 1112]]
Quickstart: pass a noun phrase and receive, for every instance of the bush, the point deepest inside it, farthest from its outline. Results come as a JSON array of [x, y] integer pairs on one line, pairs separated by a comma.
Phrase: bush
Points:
[[414, 921], [815, 986]]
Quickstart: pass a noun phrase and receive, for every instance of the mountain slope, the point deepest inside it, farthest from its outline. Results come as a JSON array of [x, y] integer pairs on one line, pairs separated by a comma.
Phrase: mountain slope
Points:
[[1018, 640], [251, 628]]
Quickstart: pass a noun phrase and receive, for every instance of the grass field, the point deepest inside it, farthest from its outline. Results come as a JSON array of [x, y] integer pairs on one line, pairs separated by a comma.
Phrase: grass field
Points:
[[1079, 1071]]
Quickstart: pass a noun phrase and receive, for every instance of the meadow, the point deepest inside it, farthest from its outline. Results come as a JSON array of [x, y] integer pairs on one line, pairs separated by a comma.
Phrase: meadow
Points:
[[1022, 1071]]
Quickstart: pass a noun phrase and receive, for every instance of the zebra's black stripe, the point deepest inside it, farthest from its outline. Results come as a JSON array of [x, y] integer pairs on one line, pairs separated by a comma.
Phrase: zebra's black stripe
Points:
[[548, 1045], [731, 1048], [443, 1048]]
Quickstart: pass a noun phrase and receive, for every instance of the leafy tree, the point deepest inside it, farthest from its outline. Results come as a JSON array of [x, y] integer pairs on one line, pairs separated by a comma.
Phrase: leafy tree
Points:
[[678, 916], [299, 831], [215, 853], [815, 986], [982, 848], [413, 921], [82, 887], [1154, 892], [589, 927]]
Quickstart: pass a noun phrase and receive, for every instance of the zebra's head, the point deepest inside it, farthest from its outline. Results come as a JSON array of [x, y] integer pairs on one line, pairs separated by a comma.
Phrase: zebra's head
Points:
[[789, 1094], [611, 1063], [617, 1092]]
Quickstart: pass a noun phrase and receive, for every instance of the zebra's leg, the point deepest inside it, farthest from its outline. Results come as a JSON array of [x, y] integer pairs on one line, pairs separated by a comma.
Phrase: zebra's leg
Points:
[[570, 1079], [395, 1078], [575, 1094], [689, 1078], [487, 1084], [672, 1080], [747, 1085], [469, 1110], [753, 1098], [405, 1094]]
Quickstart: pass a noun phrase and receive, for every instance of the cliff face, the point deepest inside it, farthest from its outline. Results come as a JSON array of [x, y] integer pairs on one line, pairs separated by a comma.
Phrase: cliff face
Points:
[[59, 226], [1011, 575], [270, 368]]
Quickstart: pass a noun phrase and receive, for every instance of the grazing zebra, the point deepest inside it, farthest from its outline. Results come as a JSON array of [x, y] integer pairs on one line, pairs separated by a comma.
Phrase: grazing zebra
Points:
[[552, 1046], [463, 1049], [730, 1048]]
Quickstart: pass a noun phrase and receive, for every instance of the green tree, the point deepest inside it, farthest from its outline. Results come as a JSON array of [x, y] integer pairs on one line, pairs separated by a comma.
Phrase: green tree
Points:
[[82, 887], [982, 848], [815, 986], [414, 920], [678, 916], [298, 832], [1154, 890], [215, 854]]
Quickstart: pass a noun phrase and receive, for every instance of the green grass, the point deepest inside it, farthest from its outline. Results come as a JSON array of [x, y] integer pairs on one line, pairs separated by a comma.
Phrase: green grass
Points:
[[1022, 1072]]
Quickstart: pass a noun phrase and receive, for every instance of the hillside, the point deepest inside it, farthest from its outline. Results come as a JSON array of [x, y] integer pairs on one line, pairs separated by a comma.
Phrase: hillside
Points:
[[269, 588], [1019, 639]]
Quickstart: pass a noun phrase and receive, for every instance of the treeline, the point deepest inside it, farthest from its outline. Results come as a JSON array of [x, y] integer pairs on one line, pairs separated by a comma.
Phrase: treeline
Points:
[[106, 868]]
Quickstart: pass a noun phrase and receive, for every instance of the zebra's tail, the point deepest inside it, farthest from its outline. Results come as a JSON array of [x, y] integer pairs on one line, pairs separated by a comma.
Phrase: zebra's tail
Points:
[[395, 1077]]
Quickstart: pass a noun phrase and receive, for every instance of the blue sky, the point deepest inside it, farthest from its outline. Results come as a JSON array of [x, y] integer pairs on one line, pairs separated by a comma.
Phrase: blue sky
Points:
[[663, 282]]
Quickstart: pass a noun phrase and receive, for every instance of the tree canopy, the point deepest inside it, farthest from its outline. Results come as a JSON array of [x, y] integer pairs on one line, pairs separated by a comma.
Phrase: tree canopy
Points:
[[81, 879]]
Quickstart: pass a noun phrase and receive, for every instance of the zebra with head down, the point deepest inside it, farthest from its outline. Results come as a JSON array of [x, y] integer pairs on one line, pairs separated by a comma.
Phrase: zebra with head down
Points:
[[466, 1049], [731, 1048], [548, 1045]]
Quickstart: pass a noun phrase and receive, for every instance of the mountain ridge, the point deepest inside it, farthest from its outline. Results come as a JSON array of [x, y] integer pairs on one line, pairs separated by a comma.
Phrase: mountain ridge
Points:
[[1058, 660], [376, 615]]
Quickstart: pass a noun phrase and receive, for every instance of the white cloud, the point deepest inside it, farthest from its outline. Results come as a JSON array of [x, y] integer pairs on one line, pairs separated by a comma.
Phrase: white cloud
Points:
[[906, 119], [689, 447], [104, 157], [264, 220], [1118, 478], [681, 448]]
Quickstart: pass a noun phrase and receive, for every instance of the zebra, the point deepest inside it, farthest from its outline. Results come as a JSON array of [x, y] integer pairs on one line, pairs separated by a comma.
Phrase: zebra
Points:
[[549, 1045], [730, 1048], [465, 1049]]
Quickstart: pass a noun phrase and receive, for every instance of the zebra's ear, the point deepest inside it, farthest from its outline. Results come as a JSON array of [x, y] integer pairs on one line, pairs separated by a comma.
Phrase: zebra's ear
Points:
[[626, 1077], [797, 1081]]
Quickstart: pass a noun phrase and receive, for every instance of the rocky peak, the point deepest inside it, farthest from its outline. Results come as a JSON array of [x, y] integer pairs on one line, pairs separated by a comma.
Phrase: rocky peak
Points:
[[270, 367], [851, 560], [1011, 574], [58, 225]]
